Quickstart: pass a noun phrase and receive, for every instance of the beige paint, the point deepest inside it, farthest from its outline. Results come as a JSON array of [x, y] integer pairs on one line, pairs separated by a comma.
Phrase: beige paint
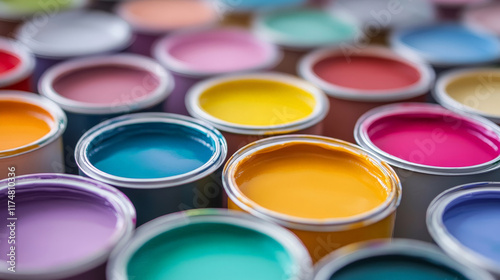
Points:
[[478, 90]]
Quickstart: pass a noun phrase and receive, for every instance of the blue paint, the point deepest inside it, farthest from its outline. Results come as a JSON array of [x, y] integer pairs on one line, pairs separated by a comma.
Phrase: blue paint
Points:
[[150, 150], [474, 220], [396, 267], [248, 5], [449, 43]]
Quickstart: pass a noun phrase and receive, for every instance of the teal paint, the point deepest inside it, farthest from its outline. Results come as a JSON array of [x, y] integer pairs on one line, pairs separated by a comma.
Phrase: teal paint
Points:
[[396, 267], [151, 150], [210, 251], [309, 27]]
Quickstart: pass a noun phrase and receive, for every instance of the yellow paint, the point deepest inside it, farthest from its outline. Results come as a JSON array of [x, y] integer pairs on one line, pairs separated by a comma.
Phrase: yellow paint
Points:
[[478, 90], [257, 102], [22, 124], [313, 181]]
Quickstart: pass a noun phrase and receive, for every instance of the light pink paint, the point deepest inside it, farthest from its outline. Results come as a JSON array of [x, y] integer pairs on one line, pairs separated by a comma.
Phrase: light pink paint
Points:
[[218, 51], [486, 17], [108, 84], [434, 139]]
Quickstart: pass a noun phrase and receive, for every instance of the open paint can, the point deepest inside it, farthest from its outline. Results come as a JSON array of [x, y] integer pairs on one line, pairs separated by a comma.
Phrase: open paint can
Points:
[[192, 56], [31, 138], [163, 162], [60, 226], [397, 259], [152, 19], [359, 80], [211, 244], [249, 107], [447, 45], [473, 90], [16, 66], [73, 34], [464, 221], [91, 90], [483, 17], [328, 192], [298, 31], [432, 149]]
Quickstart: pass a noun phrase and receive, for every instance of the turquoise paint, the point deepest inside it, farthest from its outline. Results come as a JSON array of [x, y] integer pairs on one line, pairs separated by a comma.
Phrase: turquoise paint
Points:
[[309, 27], [396, 267], [210, 251], [450, 43], [154, 150]]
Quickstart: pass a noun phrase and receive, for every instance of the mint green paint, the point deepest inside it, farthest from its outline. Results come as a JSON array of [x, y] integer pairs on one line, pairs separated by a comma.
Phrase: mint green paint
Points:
[[309, 27], [210, 251], [396, 268]]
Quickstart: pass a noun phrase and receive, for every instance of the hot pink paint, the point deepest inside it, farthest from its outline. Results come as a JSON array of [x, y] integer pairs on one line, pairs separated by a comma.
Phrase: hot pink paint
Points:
[[365, 72], [110, 84], [434, 139], [220, 50]]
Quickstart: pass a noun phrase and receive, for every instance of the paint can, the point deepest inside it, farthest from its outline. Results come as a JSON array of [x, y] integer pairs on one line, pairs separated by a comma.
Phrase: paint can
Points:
[[192, 56], [397, 259], [209, 244], [447, 45], [473, 90], [242, 12], [378, 17], [462, 221], [328, 192], [249, 107], [359, 80], [451, 10], [432, 149], [483, 17], [298, 31], [31, 139], [60, 226], [91, 90], [163, 162], [16, 66], [73, 34], [152, 19]]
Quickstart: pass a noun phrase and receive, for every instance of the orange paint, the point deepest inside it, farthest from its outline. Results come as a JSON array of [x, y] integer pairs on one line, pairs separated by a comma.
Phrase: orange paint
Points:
[[313, 181], [328, 192], [22, 124]]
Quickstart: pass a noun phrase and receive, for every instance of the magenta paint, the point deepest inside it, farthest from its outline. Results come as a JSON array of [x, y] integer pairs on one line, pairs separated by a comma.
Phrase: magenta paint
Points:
[[194, 55], [359, 80], [431, 149], [16, 66], [66, 225]]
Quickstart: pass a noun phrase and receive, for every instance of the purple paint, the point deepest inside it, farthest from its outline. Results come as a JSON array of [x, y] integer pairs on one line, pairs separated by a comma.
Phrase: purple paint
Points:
[[65, 224], [432, 136]]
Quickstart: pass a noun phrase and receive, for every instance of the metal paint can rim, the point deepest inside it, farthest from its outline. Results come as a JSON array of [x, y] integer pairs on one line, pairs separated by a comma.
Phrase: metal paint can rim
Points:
[[126, 219], [445, 239], [326, 225], [85, 165], [319, 112], [302, 269]]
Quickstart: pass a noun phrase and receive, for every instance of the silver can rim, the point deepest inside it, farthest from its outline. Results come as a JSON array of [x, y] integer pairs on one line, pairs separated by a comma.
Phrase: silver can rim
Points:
[[319, 112], [57, 128], [132, 61], [119, 259], [444, 99], [376, 248], [421, 87], [454, 248], [363, 139], [161, 52], [216, 160], [126, 219], [326, 225]]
